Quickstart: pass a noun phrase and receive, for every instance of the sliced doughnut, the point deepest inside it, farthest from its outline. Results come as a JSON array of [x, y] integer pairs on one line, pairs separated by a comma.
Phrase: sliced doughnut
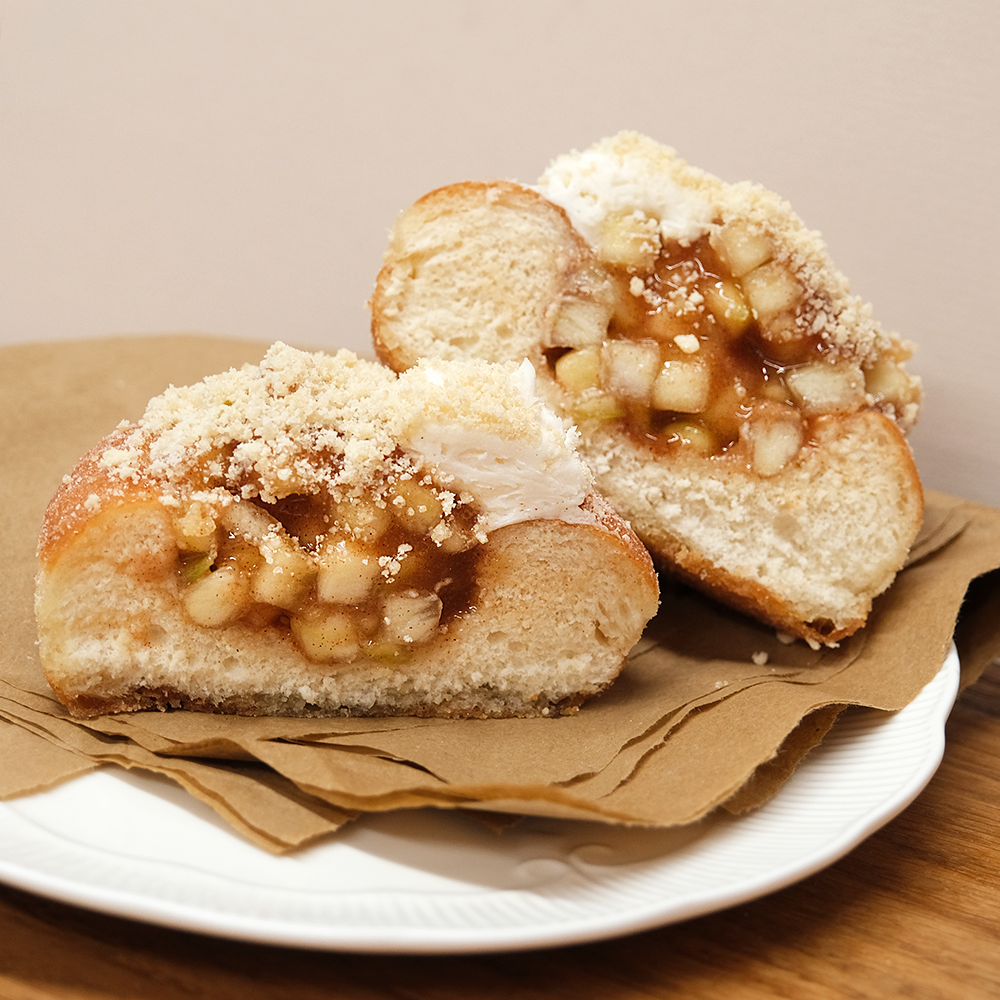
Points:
[[737, 404], [315, 535]]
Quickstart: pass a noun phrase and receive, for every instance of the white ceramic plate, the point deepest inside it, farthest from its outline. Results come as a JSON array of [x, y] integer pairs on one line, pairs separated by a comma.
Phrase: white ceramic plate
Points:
[[426, 881]]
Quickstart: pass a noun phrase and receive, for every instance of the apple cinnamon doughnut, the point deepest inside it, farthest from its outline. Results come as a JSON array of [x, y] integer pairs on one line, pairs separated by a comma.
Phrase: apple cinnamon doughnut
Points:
[[737, 404], [316, 535]]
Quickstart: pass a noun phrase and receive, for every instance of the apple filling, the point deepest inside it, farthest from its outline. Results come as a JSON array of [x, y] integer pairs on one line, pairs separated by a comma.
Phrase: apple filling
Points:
[[372, 576], [709, 347]]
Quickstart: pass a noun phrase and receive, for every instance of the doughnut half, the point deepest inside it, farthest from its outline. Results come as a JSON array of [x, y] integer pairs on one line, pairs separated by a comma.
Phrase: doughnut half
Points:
[[315, 535], [736, 403]]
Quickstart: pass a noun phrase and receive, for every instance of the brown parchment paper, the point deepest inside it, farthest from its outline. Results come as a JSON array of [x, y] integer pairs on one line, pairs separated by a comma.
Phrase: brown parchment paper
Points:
[[695, 721]]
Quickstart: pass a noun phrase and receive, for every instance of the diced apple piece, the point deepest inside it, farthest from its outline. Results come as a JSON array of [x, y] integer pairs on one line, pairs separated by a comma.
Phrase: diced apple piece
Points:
[[415, 505], [347, 572], [682, 386], [774, 387], [629, 239], [826, 387], [598, 406], [787, 343], [741, 248], [774, 446], [326, 635], [451, 536], [580, 323], [690, 435], [771, 289], [629, 368], [363, 518], [248, 521], [727, 304], [285, 576], [280, 573], [775, 435], [579, 369], [889, 383], [728, 406], [218, 598], [194, 565], [411, 616], [241, 555]]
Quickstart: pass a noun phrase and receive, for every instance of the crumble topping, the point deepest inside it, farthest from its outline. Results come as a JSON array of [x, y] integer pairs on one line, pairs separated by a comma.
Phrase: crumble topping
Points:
[[301, 423]]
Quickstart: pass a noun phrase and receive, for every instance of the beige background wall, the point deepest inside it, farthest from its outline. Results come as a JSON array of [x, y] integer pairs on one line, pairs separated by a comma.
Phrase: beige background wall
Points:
[[233, 166]]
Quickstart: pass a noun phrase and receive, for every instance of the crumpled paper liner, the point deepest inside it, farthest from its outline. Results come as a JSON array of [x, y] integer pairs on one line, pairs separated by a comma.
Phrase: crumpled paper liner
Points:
[[694, 722]]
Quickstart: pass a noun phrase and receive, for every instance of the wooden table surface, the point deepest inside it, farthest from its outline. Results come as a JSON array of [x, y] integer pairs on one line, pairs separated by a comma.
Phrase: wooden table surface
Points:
[[913, 912]]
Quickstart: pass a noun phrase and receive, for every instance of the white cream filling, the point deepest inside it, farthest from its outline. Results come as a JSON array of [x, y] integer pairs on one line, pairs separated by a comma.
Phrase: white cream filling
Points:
[[593, 184], [513, 480]]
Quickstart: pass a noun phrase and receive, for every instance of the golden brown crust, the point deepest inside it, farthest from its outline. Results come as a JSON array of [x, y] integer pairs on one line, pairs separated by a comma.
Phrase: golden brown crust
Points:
[[167, 699], [753, 599], [611, 521], [84, 492]]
